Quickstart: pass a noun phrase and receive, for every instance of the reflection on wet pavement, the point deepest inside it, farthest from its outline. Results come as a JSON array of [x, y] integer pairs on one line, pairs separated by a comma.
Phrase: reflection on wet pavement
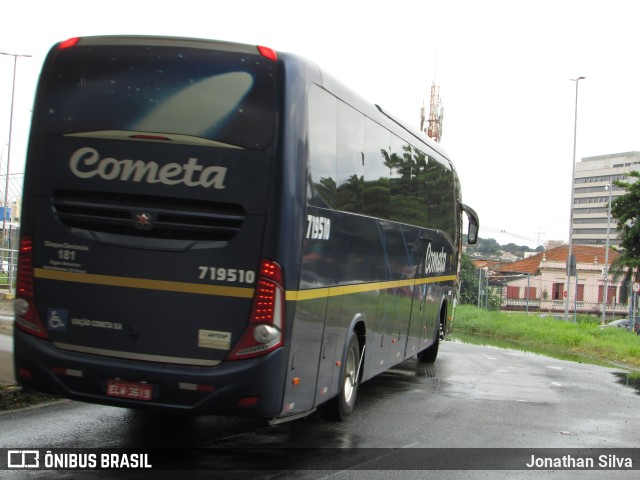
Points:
[[629, 379]]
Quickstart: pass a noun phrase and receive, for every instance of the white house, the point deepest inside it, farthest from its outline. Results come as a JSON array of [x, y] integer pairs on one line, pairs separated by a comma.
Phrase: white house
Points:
[[540, 282]]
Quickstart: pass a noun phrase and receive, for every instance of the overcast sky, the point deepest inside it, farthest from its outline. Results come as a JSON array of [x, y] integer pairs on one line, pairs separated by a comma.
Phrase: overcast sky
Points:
[[503, 67]]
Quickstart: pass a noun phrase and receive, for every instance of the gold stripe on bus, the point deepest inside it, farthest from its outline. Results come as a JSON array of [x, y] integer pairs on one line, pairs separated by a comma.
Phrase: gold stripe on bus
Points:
[[316, 293], [225, 291], [143, 283]]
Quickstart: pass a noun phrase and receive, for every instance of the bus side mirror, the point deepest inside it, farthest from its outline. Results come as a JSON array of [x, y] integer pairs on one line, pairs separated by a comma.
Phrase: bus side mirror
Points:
[[474, 224]]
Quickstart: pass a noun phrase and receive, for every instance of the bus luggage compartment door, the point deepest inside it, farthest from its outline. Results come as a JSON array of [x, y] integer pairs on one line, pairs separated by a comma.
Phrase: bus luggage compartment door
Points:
[[183, 307]]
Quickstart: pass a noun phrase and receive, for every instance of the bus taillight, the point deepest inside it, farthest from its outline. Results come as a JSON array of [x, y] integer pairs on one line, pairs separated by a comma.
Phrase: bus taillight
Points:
[[27, 318], [266, 325], [267, 52], [72, 42]]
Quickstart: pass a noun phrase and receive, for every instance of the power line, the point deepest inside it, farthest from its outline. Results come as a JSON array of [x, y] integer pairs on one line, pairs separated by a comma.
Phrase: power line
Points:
[[505, 232]]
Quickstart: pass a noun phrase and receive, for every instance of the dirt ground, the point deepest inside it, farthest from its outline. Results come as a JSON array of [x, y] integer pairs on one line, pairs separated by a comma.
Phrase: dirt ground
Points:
[[6, 307]]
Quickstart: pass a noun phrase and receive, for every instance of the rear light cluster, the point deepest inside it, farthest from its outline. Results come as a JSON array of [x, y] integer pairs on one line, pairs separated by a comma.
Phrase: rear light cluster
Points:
[[265, 331], [27, 318]]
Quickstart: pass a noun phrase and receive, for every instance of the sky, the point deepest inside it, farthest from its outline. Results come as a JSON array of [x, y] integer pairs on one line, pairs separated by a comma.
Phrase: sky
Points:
[[504, 69]]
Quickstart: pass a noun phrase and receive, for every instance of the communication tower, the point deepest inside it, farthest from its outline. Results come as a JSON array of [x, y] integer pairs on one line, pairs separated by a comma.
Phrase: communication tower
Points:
[[433, 125]]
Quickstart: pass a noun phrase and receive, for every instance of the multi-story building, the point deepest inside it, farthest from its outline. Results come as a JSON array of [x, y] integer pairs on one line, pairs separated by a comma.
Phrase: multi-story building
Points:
[[593, 175], [16, 207]]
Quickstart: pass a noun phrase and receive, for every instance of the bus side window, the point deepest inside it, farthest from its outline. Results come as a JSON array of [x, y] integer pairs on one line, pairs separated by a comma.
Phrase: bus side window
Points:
[[350, 160], [323, 137], [376, 171]]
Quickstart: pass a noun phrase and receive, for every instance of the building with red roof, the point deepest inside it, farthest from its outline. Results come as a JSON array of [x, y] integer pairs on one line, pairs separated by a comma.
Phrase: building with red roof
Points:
[[540, 282]]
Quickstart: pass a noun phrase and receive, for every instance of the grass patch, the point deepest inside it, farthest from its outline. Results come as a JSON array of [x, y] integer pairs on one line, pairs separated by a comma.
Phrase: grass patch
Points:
[[13, 397], [584, 338]]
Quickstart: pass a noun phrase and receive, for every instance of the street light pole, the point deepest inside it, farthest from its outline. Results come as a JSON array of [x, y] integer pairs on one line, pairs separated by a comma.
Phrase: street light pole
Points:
[[573, 175], [6, 184], [606, 259]]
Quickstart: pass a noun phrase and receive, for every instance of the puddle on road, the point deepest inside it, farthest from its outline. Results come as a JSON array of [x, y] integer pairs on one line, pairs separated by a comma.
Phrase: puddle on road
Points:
[[629, 379], [408, 376]]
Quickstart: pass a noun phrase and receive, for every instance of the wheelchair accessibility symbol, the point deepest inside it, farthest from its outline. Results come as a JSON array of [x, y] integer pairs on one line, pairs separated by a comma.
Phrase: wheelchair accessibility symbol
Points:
[[57, 319]]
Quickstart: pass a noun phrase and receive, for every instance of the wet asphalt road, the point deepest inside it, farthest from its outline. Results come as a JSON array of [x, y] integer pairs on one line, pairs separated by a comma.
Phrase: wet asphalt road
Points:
[[472, 397]]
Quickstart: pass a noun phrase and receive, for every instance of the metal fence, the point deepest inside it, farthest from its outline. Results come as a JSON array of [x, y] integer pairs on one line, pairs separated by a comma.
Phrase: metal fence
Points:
[[9, 257], [8, 269], [10, 210], [580, 296]]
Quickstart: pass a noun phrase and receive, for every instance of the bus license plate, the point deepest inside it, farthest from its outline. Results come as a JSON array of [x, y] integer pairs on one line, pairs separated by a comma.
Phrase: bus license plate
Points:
[[135, 390]]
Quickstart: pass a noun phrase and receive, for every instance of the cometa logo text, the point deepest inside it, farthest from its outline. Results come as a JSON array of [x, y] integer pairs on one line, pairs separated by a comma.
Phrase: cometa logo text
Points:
[[435, 262], [86, 163]]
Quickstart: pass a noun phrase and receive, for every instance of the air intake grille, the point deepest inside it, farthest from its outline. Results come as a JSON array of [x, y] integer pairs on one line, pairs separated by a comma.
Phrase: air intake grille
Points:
[[147, 216]]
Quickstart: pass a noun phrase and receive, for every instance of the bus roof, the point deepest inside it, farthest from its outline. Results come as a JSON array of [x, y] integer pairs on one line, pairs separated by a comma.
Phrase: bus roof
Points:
[[307, 67]]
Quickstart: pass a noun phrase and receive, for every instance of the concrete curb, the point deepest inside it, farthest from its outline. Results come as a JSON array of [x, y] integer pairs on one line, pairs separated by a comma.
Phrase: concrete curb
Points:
[[7, 378]]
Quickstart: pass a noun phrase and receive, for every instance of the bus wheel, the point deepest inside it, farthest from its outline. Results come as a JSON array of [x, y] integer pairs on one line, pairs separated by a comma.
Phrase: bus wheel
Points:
[[340, 407], [430, 354]]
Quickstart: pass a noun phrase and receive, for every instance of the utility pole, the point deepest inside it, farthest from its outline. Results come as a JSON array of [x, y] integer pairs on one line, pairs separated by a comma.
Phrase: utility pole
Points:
[[573, 176], [605, 270], [6, 185]]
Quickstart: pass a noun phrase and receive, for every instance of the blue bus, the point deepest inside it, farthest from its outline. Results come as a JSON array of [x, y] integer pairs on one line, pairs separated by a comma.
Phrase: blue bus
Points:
[[210, 227]]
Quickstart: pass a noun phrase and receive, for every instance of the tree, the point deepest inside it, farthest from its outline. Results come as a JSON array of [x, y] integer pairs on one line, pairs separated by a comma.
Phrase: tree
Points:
[[488, 246], [468, 281], [626, 210]]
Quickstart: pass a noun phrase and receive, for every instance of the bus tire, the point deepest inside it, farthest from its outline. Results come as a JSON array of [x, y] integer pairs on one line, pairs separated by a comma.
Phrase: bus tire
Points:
[[430, 354], [341, 406]]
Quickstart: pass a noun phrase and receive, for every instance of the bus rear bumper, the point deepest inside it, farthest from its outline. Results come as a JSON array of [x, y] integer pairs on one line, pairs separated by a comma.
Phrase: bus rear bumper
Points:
[[252, 387]]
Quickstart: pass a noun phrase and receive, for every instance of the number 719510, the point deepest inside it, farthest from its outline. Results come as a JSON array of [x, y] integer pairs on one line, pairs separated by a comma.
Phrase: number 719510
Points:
[[228, 275]]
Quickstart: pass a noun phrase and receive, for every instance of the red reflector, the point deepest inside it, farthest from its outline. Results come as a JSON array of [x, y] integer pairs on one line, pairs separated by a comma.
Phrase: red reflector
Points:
[[72, 42], [24, 373], [248, 401], [204, 388], [267, 52]]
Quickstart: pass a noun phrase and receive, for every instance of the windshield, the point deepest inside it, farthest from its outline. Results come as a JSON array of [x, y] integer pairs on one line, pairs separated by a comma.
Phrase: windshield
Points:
[[227, 97]]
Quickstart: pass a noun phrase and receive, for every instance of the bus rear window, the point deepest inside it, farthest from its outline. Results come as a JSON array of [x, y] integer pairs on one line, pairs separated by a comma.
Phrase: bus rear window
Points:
[[226, 97]]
